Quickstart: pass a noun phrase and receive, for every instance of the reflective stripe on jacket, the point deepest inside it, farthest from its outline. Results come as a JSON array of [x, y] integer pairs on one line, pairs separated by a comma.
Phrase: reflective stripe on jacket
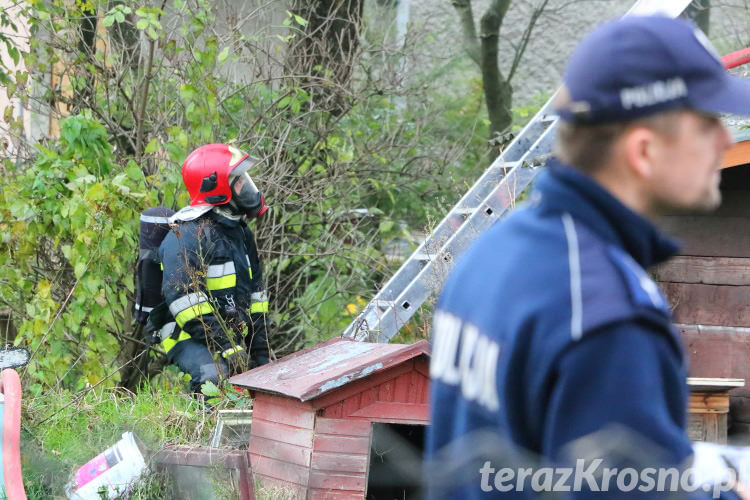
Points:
[[212, 278]]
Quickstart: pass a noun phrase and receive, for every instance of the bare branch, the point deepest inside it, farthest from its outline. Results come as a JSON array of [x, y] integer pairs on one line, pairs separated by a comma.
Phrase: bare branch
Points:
[[468, 29], [521, 49]]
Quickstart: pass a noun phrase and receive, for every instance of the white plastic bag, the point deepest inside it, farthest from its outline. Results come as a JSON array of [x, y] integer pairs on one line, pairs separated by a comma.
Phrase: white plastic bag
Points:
[[115, 470]]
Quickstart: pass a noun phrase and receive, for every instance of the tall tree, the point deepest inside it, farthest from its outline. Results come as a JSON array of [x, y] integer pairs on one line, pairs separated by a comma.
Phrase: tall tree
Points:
[[323, 52], [482, 48]]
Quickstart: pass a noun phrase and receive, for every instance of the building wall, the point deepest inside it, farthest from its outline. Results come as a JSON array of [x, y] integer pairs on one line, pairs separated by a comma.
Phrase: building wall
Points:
[[396, 396], [281, 442], [321, 448], [343, 431], [340, 459], [708, 287]]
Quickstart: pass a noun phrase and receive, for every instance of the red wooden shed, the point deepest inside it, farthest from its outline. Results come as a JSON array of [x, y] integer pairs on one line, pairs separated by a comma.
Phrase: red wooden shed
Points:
[[314, 412], [708, 284]]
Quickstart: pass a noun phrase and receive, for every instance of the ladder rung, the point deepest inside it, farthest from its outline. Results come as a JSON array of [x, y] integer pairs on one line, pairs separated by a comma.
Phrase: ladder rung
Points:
[[504, 165], [464, 210], [548, 118]]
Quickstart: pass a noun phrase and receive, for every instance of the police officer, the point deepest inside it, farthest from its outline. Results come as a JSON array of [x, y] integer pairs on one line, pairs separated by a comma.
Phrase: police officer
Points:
[[212, 275], [549, 329]]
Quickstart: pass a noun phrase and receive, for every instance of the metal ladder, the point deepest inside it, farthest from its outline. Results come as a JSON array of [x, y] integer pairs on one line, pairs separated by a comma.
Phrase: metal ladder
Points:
[[491, 197]]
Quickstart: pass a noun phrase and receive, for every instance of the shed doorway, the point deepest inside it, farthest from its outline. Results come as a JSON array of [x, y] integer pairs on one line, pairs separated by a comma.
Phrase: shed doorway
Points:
[[396, 457]]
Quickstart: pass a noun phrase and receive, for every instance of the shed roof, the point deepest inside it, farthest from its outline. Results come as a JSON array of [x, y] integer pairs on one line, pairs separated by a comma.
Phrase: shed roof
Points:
[[317, 370], [739, 153]]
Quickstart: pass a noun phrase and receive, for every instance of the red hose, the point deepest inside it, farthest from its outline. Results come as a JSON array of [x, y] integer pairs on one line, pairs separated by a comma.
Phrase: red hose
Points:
[[738, 58], [10, 386]]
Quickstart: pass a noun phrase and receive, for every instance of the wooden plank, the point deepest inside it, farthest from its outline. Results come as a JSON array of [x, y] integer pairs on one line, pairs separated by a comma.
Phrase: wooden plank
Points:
[[709, 236], [350, 405], [395, 413], [722, 429], [328, 481], [348, 444], [416, 387], [358, 386], [410, 387], [200, 456], [401, 388], [425, 399], [385, 391], [708, 403], [280, 432], [334, 411], [279, 469], [279, 400], [342, 427], [704, 384], [369, 396], [694, 304], [705, 270], [696, 429], [339, 462], [712, 428], [284, 411], [286, 452], [245, 479]]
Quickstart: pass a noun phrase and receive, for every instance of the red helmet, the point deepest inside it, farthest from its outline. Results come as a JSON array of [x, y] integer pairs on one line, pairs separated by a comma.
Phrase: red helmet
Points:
[[216, 174]]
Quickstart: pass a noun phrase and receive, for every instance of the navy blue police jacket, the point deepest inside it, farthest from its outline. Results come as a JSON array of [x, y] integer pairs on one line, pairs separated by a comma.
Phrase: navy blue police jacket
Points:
[[549, 329]]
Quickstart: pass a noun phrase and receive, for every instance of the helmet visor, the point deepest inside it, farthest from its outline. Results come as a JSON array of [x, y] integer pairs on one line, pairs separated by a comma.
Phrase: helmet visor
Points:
[[245, 193], [243, 187]]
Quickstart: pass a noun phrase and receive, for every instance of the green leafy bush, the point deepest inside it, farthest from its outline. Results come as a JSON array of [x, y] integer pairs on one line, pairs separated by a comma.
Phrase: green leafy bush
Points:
[[353, 160], [70, 223]]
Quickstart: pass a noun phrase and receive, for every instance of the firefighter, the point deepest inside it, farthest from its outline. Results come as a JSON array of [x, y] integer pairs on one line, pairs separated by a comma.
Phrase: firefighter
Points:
[[551, 344], [212, 280]]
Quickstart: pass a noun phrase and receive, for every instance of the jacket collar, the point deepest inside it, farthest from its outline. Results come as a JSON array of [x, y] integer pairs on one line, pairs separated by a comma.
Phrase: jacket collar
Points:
[[217, 213], [564, 189], [226, 217]]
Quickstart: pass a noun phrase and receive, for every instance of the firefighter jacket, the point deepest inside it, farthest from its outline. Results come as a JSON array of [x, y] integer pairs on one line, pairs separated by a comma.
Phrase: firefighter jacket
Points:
[[548, 330], [212, 285]]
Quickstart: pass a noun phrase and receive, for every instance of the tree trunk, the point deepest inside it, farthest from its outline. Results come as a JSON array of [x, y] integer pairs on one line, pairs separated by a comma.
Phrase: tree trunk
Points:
[[126, 47], [323, 54], [86, 48], [497, 90]]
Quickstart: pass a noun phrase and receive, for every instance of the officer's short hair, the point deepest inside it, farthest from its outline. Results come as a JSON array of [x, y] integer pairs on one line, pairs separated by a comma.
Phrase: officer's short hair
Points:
[[589, 147]]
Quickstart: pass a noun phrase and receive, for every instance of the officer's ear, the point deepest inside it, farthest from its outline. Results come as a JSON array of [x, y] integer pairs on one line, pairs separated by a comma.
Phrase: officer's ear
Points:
[[642, 149]]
